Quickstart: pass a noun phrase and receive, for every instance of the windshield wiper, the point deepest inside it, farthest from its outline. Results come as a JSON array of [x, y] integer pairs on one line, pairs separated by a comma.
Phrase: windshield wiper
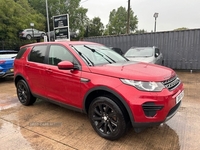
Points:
[[102, 55], [89, 62]]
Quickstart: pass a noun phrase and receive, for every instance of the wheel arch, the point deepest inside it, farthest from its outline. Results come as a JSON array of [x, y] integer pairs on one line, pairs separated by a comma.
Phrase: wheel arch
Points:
[[19, 77], [105, 91], [30, 99]]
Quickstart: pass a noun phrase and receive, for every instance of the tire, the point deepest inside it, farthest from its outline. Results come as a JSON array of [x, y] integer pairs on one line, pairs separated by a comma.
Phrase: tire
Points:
[[28, 37], [107, 118], [23, 93]]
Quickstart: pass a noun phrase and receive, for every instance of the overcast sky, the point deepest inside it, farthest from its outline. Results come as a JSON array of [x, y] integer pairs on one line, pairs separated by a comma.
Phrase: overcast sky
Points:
[[173, 14]]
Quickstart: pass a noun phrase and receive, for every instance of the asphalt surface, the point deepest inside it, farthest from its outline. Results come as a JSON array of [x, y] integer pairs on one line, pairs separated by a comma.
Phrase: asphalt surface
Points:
[[50, 127]]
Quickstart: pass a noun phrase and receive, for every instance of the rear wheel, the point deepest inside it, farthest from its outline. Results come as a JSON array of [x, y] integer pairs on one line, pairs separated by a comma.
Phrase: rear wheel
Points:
[[28, 37], [107, 118], [24, 94]]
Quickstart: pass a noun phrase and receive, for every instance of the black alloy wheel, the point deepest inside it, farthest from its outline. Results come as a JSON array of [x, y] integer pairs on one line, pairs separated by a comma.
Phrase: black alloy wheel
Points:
[[24, 94], [107, 118]]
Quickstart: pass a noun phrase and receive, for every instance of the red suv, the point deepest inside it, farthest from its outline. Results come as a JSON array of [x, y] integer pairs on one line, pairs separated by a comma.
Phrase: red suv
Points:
[[91, 78]]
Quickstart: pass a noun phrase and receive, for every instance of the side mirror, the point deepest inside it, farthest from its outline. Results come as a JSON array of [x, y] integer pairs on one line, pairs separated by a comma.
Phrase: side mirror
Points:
[[65, 65]]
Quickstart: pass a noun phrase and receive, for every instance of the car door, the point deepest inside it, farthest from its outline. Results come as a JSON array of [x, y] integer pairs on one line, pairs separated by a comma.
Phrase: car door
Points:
[[62, 85], [34, 69], [36, 33]]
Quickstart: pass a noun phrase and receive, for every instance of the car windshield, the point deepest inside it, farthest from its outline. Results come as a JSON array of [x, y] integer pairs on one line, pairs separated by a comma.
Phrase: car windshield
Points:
[[97, 54], [8, 54], [139, 52]]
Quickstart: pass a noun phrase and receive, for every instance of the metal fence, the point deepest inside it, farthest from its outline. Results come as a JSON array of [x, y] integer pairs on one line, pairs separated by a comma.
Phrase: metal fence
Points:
[[181, 49]]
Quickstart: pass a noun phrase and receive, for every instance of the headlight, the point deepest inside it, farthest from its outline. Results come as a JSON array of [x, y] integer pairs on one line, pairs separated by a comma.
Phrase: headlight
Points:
[[144, 86]]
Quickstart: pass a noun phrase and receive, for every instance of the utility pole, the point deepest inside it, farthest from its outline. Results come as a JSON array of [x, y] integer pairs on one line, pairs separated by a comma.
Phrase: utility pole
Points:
[[47, 19], [128, 18]]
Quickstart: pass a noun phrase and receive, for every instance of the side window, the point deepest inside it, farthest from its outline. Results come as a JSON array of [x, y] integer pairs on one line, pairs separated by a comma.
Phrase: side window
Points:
[[21, 52], [37, 54], [58, 53], [36, 31]]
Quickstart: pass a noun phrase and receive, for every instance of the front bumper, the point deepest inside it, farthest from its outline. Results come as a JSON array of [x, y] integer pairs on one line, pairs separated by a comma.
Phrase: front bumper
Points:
[[5, 74], [151, 108]]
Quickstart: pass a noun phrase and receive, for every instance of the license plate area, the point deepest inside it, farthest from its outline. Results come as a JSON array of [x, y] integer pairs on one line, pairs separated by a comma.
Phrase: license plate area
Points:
[[179, 97]]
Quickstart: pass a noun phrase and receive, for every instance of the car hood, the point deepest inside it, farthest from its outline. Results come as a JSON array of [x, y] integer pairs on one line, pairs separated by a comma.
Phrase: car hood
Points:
[[142, 59], [135, 71]]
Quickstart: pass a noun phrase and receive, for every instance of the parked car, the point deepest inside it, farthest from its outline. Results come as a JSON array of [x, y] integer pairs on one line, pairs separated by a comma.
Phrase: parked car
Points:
[[6, 62], [31, 33], [145, 54], [118, 50], [91, 78]]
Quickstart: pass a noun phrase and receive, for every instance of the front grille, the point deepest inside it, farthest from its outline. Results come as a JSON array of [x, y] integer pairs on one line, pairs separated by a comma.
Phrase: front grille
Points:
[[172, 83]]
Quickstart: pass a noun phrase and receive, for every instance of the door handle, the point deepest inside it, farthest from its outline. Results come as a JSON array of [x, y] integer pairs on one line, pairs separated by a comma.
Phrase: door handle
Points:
[[49, 70], [27, 65]]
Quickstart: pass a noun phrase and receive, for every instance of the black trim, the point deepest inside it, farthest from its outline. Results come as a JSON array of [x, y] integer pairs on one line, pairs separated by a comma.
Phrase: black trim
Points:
[[147, 124], [19, 75], [59, 103], [150, 108], [173, 111]]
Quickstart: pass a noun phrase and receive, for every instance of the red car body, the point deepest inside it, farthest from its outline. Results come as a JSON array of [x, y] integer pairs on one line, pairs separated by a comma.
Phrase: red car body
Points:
[[77, 88]]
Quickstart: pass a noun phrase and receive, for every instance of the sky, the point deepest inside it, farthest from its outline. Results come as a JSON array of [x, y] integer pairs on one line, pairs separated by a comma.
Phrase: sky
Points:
[[172, 14]]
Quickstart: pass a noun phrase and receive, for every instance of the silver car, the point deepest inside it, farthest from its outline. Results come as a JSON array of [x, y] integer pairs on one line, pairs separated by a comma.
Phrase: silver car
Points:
[[145, 54], [31, 33]]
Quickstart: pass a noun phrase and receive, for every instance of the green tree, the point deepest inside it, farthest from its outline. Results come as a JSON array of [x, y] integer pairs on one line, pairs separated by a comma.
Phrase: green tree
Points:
[[77, 15], [95, 27], [118, 21], [79, 21], [15, 16]]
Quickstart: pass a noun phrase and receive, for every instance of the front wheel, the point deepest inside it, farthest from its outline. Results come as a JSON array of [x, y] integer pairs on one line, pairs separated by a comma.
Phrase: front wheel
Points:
[[24, 94], [107, 118]]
